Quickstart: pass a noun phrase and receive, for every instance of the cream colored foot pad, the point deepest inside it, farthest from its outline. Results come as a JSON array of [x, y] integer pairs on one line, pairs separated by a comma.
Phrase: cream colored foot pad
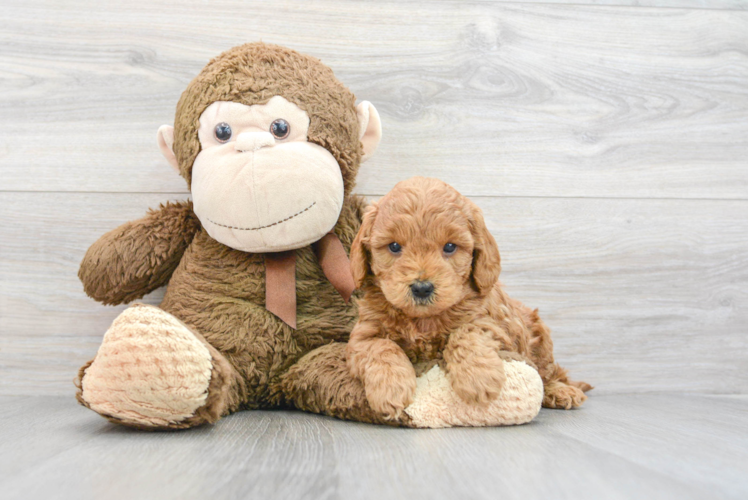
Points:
[[150, 369], [437, 405]]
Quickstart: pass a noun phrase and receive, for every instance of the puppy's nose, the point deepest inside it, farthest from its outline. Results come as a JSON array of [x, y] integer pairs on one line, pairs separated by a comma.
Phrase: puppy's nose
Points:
[[422, 289]]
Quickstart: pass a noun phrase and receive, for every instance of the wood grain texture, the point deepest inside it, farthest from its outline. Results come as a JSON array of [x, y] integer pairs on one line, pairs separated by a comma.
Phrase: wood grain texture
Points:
[[705, 436], [642, 295], [499, 99], [619, 447], [675, 4], [607, 145]]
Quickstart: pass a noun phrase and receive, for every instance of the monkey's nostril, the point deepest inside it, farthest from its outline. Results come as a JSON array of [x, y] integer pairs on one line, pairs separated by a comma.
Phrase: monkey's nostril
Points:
[[422, 289]]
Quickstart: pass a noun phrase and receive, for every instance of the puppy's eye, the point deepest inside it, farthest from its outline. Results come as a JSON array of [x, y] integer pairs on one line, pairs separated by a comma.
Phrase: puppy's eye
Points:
[[395, 247], [222, 132], [280, 128], [450, 248]]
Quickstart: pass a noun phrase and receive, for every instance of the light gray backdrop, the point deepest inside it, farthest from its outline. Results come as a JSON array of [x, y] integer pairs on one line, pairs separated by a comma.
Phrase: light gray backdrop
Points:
[[607, 145]]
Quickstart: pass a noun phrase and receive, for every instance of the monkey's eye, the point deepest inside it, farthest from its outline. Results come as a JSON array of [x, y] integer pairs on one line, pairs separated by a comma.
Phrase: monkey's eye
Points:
[[280, 128], [450, 248], [222, 132], [395, 247]]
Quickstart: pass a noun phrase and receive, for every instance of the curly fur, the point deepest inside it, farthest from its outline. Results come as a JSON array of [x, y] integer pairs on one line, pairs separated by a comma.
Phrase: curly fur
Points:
[[467, 321]]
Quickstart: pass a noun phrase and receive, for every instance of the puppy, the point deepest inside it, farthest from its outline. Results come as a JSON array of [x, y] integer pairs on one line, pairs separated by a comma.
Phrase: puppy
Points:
[[429, 271]]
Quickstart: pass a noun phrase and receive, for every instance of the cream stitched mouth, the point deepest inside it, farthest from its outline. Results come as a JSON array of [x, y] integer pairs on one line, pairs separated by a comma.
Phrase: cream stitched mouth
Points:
[[263, 227]]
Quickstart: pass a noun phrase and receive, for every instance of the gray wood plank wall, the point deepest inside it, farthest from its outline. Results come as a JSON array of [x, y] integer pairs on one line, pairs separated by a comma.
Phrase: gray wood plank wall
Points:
[[607, 145]]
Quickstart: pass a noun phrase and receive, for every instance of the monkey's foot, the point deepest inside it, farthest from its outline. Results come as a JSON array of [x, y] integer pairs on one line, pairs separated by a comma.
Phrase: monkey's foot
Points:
[[152, 372], [436, 404], [321, 382]]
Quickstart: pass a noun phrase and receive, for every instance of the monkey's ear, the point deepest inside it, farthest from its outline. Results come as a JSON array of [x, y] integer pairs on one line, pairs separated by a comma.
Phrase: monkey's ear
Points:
[[166, 145], [370, 128], [360, 252]]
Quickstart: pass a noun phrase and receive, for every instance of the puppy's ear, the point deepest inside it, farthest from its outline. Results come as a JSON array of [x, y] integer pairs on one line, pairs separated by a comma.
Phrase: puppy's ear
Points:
[[360, 250], [486, 259]]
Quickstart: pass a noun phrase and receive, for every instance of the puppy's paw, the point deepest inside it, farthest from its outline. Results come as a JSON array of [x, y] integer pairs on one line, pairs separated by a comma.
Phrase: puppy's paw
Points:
[[389, 394], [478, 384], [560, 395]]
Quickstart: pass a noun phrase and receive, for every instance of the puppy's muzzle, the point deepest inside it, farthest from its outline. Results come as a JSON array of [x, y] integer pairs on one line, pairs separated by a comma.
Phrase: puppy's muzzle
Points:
[[422, 290]]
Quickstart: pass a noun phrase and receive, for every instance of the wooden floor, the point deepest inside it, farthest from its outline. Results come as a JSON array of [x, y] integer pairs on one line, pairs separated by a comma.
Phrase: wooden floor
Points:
[[625, 446]]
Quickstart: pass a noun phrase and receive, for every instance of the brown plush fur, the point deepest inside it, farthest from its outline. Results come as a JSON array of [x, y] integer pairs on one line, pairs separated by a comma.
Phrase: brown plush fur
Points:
[[219, 292], [322, 383], [467, 321], [140, 256], [254, 73]]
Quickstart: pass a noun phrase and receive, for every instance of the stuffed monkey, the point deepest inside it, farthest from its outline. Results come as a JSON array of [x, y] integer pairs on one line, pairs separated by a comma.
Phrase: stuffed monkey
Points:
[[269, 142]]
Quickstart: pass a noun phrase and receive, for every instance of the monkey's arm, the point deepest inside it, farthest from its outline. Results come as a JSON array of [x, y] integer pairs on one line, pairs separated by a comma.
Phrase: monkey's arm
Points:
[[139, 256]]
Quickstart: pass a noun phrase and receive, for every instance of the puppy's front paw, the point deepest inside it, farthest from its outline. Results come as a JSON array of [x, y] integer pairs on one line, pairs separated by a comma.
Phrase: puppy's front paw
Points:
[[478, 383], [389, 394]]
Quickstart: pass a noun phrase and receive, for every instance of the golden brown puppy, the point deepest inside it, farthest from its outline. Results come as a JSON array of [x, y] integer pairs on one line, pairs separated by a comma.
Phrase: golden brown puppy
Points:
[[429, 270]]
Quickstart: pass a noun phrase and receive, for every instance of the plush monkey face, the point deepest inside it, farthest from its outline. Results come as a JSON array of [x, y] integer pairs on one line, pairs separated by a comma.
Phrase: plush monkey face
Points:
[[258, 185], [270, 143]]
